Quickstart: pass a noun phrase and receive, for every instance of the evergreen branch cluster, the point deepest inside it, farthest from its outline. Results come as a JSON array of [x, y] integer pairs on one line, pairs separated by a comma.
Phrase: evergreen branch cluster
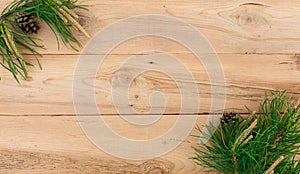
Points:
[[265, 142], [15, 26]]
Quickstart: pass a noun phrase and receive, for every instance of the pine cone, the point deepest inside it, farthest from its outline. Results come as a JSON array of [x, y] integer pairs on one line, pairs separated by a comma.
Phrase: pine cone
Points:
[[28, 23], [229, 118]]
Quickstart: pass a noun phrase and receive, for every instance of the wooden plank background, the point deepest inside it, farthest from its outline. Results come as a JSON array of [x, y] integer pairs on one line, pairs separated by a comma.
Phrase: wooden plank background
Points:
[[258, 44]]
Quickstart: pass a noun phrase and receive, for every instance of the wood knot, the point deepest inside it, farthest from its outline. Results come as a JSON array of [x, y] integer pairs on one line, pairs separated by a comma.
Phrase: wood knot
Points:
[[250, 15], [156, 170], [125, 77], [82, 21], [246, 20], [155, 167]]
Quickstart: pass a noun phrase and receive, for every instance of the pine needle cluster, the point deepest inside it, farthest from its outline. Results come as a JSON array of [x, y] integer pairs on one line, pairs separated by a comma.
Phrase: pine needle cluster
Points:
[[265, 142], [15, 30]]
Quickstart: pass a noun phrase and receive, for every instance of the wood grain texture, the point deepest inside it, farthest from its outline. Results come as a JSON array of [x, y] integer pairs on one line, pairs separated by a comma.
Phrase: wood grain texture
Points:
[[231, 26], [258, 46], [247, 78], [39, 144]]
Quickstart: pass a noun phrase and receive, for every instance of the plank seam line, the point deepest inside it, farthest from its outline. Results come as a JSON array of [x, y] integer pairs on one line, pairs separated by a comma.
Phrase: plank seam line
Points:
[[242, 53], [111, 115]]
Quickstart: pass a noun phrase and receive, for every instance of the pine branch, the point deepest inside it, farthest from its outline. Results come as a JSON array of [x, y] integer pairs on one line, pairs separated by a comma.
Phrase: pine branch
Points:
[[17, 17], [263, 142]]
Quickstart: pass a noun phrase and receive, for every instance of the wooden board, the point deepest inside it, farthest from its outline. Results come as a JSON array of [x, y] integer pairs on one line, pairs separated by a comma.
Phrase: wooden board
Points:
[[45, 144], [258, 47], [247, 78], [231, 26]]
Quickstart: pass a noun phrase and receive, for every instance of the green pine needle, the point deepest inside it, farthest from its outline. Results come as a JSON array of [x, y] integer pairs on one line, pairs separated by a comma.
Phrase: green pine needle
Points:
[[274, 139], [52, 12]]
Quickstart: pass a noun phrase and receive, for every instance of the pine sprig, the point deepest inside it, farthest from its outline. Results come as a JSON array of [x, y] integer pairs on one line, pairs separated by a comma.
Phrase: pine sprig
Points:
[[57, 14], [266, 142]]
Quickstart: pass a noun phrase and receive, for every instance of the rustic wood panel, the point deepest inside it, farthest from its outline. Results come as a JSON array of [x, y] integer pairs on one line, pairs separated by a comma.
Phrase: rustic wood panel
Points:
[[258, 46], [231, 26], [39, 144], [50, 91]]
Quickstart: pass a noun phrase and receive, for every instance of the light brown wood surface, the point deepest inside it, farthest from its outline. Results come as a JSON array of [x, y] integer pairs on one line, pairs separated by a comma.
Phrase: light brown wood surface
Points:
[[258, 46]]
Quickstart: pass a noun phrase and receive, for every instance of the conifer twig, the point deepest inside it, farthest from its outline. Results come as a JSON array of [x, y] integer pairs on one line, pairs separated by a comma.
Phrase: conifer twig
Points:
[[74, 22], [274, 165], [235, 163], [248, 146], [16, 23], [244, 134]]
